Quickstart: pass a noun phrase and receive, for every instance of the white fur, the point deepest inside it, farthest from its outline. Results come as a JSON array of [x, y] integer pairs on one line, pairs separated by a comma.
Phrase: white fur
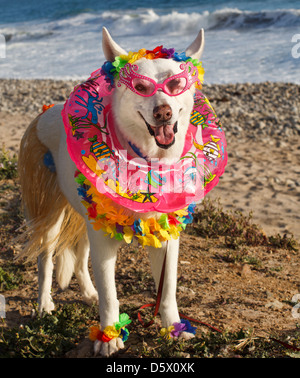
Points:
[[103, 250], [130, 105]]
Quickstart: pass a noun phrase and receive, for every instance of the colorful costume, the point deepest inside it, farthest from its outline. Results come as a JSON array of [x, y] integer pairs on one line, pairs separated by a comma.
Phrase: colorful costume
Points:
[[108, 175]]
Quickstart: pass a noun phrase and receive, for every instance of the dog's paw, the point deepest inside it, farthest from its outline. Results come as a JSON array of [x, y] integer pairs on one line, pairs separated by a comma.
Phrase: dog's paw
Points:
[[109, 348], [186, 335], [91, 299], [46, 306]]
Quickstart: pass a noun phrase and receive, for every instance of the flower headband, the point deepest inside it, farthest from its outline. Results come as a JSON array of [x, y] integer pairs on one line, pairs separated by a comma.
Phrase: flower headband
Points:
[[111, 70]]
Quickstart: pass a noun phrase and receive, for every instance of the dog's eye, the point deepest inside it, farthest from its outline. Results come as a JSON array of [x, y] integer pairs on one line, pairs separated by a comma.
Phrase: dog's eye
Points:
[[176, 86], [143, 87], [140, 88]]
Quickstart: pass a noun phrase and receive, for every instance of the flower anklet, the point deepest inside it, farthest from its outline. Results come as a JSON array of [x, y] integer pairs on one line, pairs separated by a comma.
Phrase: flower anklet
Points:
[[111, 332], [176, 329]]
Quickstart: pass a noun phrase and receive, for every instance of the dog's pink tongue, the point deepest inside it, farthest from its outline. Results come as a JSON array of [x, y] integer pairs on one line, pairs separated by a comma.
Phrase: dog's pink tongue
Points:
[[164, 134]]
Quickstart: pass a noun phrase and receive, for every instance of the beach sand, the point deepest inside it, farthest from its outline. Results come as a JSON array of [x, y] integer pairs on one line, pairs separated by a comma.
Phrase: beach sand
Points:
[[262, 127]]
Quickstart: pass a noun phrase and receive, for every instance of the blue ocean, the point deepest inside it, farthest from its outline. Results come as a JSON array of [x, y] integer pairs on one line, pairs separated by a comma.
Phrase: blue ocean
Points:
[[246, 41]]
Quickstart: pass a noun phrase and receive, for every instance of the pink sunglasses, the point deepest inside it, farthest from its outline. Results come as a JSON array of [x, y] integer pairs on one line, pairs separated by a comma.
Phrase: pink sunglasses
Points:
[[146, 87]]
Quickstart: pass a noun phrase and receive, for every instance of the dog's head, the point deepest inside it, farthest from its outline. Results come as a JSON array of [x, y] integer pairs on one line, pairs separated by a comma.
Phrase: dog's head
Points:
[[152, 119]]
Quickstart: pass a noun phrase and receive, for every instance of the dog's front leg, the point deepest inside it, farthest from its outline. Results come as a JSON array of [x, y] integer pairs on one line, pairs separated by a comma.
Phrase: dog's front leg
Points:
[[168, 306], [103, 257]]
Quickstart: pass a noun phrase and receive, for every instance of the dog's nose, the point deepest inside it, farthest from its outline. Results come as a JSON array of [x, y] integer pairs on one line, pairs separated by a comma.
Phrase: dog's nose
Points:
[[162, 113]]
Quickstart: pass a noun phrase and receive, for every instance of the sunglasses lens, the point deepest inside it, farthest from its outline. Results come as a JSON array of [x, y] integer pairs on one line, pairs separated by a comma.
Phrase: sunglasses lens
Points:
[[176, 86], [143, 87]]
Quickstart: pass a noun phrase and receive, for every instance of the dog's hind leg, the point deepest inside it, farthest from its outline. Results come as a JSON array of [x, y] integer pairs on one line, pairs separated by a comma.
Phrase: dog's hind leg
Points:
[[82, 251], [75, 260], [45, 268]]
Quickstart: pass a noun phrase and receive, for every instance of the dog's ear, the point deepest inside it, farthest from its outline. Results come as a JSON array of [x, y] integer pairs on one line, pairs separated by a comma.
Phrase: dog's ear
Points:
[[110, 48], [195, 50]]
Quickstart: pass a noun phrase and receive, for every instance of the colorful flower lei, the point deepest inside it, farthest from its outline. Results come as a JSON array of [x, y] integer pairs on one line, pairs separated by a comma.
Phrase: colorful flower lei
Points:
[[111, 69], [177, 328], [104, 215], [111, 332]]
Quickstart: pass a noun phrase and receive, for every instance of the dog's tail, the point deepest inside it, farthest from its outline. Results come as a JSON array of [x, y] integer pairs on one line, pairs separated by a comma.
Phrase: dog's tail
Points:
[[44, 203], [65, 267]]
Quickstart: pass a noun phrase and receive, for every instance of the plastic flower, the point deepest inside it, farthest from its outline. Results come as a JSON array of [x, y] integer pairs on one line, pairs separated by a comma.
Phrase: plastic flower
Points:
[[191, 208], [188, 219], [142, 240], [156, 53], [119, 62], [181, 213], [166, 332], [110, 231], [153, 224], [97, 334], [200, 76], [178, 328], [102, 200], [183, 225], [169, 53], [123, 321], [103, 337], [107, 70], [164, 235], [134, 56], [173, 220], [174, 232], [46, 107], [124, 334], [111, 332], [99, 224], [118, 216], [137, 226], [81, 191], [119, 236], [144, 227], [180, 57], [163, 221], [92, 210], [152, 241], [94, 332], [128, 234], [188, 327], [195, 62]]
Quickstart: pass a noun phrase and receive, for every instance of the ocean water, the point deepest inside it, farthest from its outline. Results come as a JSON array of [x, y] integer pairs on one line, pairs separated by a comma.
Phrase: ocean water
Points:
[[245, 41]]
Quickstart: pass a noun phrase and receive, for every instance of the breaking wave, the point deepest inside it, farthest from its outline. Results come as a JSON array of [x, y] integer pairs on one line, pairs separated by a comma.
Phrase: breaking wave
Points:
[[152, 22]]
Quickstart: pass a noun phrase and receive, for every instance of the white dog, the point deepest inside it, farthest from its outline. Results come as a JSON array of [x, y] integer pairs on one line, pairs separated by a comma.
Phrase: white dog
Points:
[[54, 210]]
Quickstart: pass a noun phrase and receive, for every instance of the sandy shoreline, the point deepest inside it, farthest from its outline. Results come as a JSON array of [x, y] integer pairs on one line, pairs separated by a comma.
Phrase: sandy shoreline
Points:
[[262, 126]]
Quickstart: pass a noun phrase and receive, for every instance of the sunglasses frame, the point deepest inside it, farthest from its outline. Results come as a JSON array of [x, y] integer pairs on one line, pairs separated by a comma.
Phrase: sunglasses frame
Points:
[[128, 73]]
